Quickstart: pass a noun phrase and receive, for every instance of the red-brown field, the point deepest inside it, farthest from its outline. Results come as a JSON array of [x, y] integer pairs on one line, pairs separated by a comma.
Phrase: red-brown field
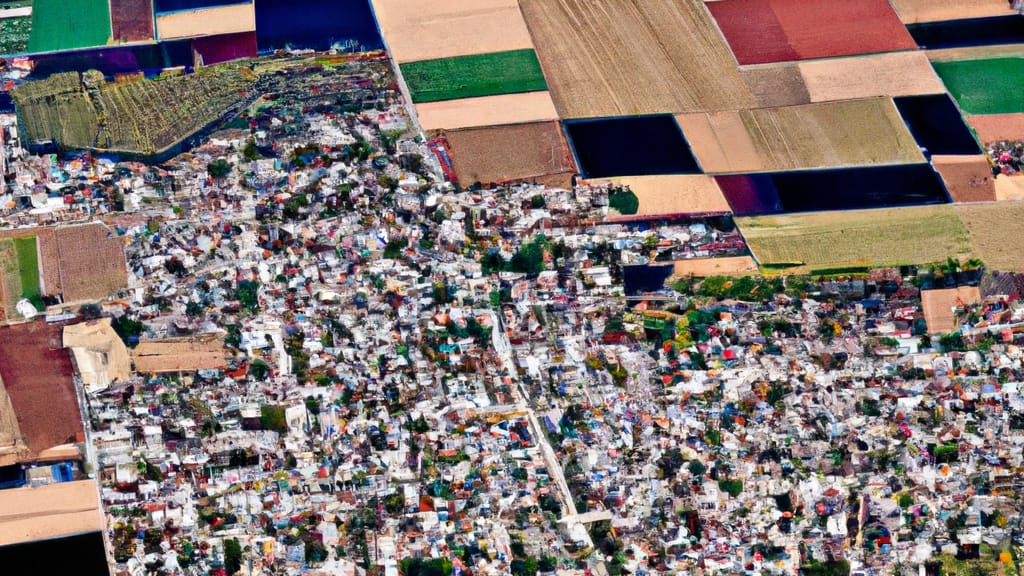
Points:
[[763, 31], [131, 20], [508, 153], [37, 374], [967, 178], [997, 127]]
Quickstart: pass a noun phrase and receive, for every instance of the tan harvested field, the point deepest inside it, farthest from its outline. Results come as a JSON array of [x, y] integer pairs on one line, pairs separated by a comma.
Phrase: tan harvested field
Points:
[[995, 230], [28, 514], [703, 267], [967, 178], [849, 133], [780, 85], [720, 142], [680, 194], [894, 74], [819, 135], [915, 11], [938, 306], [997, 127], [615, 58], [976, 53], [1009, 188], [202, 352], [532, 151], [417, 30], [487, 111], [207, 22], [905, 235]]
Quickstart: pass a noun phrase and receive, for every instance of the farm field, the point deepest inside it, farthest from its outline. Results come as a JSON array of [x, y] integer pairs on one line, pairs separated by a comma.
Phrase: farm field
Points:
[[967, 178], [915, 11], [990, 86], [763, 31], [725, 266], [609, 58], [833, 134], [131, 20], [506, 153], [474, 76], [773, 86], [14, 34], [893, 74], [487, 111], [936, 124], [10, 282], [679, 194], [69, 24], [28, 267], [910, 235], [630, 146], [997, 127], [317, 25], [144, 116], [988, 225], [206, 22], [416, 30], [1009, 188], [820, 135]]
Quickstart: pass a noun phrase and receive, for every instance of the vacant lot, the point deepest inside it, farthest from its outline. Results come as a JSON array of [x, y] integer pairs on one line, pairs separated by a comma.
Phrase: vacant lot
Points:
[[417, 30], [967, 178], [473, 76], [487, 111], [991, 86], [915, 11], [908, 235], [613, 58], [992, 228], [69, 24], [762, 31], [727, 266], [683, 194], [508, 153], [895, 74]]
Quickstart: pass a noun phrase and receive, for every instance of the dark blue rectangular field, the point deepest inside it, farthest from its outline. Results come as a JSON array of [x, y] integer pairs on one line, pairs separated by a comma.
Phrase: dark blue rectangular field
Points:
[[841, 189], [936, 124], [348, 25], [630, 146], [970, 32]]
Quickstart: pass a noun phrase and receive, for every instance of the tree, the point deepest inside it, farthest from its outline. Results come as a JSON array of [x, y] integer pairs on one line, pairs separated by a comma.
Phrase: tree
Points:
[[219, 168], [250, 153], [696, 468], [272, 418], [547, 564], [524, 567], [258, 369], [232, 556]]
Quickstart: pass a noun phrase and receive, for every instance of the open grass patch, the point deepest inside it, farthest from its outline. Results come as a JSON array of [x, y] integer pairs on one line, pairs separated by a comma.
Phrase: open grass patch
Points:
[[28, 268], [14, 33], [69, 24], [509, 72], [990, 86]]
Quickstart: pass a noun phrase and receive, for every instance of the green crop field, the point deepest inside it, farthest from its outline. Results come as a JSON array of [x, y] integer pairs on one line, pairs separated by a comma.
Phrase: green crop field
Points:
[[14, 33], [69, 24], [28, 267], [472, 76], [991, 86]]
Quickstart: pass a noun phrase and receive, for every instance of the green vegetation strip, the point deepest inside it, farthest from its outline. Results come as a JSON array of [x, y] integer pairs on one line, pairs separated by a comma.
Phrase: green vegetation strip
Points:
[[989, 86], [69, 24], [28, 267], [509, 72]]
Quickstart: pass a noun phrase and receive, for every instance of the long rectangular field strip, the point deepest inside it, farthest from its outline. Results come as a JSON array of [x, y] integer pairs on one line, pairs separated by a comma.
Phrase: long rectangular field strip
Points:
[[69, 24], [989, 86], [906, 235], [28, 266], [510, 72]]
